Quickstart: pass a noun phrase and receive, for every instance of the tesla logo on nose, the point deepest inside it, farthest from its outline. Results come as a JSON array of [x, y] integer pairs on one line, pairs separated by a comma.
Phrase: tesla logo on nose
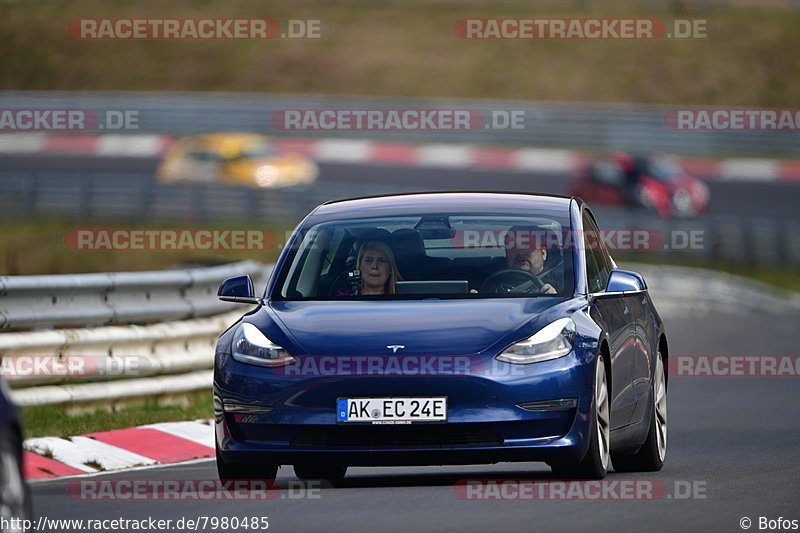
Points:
[[395, 347]]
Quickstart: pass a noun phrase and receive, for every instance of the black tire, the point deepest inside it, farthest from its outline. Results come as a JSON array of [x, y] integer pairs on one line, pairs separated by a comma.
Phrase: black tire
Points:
[[15, 499], [594, 465], [256, 471], [322, 472], [650, 457]]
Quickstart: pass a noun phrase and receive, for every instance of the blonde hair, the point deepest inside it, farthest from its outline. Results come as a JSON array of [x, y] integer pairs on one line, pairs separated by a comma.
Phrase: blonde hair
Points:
[[382, 248]]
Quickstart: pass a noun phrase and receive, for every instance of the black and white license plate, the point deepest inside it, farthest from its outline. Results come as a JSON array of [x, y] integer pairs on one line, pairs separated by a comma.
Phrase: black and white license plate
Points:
[[391, 410]]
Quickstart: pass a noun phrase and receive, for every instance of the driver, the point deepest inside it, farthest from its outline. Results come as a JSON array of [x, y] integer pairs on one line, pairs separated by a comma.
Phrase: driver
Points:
[[526, 249], [532, 259]]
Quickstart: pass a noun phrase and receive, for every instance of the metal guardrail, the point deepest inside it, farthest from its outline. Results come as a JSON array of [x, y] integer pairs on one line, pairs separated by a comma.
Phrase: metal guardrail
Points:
[[117, 298], [92, 367], [112, 365], [114, 394], [105, 353], [557, 124]]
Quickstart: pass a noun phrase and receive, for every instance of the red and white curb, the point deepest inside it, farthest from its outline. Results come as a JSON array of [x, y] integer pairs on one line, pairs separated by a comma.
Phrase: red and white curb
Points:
[[97, 145], [170, 442], [358, 151]]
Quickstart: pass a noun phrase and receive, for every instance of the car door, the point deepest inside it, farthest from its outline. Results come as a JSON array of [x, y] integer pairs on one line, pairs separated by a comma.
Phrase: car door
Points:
[[642, 324], [610, 312]]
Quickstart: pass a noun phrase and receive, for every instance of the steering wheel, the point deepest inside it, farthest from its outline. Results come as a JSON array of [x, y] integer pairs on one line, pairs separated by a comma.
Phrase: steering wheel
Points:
[[512, 281]]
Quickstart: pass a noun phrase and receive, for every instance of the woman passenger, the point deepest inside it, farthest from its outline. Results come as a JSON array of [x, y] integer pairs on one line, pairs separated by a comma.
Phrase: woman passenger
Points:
[[378, 270]]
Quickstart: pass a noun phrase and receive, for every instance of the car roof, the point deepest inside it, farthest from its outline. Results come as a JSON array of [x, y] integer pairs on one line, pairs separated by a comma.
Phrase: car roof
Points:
[[436, 202]]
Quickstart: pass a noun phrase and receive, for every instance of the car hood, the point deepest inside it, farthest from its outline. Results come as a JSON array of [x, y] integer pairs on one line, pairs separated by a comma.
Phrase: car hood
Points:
[[429, 327]]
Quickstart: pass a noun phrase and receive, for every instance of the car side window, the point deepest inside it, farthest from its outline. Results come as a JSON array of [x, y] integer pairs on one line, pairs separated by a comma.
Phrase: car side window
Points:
[[598, 266]]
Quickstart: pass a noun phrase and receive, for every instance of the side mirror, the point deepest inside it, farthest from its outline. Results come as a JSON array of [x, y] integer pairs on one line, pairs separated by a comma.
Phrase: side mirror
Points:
[[625, 282], [238, 289]]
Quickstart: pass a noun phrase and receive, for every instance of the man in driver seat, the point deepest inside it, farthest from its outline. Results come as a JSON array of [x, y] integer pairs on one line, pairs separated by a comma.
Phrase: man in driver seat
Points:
[[532, 259], [527, 250]]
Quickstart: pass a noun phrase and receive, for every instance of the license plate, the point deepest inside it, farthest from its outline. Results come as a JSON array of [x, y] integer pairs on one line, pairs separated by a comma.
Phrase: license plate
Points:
[[391, 410]]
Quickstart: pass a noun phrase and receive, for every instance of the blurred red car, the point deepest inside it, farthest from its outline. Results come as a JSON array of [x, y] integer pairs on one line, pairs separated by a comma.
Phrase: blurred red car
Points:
[[655, 182]]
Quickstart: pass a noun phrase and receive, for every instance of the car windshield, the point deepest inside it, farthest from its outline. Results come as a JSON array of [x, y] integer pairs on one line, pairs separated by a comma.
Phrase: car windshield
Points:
[[429, 256]]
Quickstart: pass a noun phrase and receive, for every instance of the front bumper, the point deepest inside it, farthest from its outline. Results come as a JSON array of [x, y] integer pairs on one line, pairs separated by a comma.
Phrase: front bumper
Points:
[[485, 423]]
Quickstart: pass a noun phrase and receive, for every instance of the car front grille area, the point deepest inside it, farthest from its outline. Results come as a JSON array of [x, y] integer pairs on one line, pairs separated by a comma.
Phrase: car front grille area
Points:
[[420, 436]]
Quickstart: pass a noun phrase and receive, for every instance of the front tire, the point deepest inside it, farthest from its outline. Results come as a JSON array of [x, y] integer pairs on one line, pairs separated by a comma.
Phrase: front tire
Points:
[[595, 464], [650, 457]]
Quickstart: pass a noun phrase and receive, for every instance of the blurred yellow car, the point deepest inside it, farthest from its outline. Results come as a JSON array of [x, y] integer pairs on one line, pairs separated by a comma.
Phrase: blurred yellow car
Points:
[[235, 158]]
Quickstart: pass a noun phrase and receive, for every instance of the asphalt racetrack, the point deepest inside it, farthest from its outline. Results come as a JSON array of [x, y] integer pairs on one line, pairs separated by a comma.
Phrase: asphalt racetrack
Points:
[[732, 453], [735, 198]]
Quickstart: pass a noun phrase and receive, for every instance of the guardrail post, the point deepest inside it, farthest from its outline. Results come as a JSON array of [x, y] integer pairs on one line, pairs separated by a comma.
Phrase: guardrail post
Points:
[[732, 241], [765, 242], [196, 205], [790, 243], [144, 200], [84, 207], [30, 191]]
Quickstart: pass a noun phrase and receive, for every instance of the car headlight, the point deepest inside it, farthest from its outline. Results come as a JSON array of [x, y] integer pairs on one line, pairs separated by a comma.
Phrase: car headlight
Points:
[[251, 346], [551, 342]]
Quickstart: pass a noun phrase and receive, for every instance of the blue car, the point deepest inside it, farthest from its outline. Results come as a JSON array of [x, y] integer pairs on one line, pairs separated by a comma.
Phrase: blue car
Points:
[[442, 328]]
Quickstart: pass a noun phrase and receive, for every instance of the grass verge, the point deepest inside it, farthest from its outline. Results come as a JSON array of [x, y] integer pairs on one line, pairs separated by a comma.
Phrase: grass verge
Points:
[[40, 247], [409, 48], [56, 421]]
